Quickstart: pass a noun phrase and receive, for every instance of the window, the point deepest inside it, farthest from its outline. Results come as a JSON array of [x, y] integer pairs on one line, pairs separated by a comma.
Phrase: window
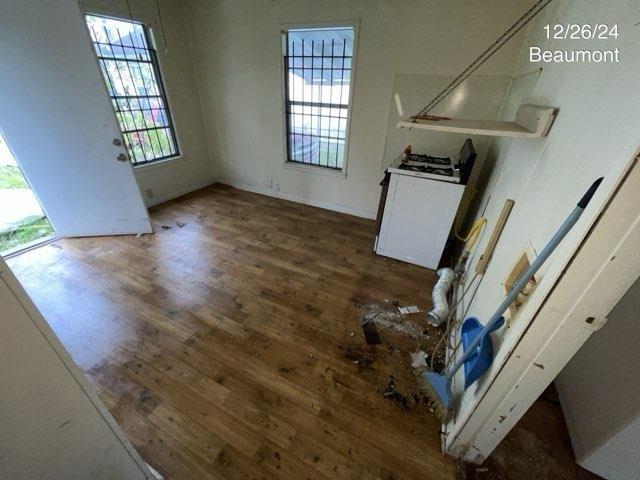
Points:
[[129, 65], [318, 73]]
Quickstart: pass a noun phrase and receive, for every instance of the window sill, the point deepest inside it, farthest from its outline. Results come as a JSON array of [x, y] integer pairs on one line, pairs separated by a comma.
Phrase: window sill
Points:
[[163, 162], [301, 167]]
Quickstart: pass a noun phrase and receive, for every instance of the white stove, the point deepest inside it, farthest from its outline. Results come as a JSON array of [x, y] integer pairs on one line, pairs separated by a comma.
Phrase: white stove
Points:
[[419, 201]]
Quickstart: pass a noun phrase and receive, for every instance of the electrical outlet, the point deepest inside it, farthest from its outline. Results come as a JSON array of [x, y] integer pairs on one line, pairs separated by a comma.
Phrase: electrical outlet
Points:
[[277, 187], [149, 192]]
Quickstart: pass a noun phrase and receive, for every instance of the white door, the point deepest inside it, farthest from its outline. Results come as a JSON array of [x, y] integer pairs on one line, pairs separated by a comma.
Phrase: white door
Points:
[[58, 121]]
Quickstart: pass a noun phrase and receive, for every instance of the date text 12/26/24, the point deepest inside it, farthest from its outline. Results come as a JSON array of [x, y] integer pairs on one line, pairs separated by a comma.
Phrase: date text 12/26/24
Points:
[[598, 31], [574, 31]]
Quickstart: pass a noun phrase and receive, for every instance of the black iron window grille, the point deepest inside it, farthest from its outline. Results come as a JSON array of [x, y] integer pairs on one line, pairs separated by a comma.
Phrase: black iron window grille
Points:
[[129, 65], [318, 72]]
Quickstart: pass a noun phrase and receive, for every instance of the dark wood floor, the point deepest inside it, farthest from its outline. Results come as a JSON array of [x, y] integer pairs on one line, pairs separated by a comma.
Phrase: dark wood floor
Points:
[[220, 345], [537, 448]]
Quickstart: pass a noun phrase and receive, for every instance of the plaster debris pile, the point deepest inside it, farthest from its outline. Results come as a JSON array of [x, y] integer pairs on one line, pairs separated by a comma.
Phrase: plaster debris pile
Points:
[[419, 359], [389, 317]]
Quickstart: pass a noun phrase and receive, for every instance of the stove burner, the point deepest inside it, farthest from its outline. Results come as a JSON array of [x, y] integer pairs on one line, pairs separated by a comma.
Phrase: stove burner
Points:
[[415, 157], [447, 172]]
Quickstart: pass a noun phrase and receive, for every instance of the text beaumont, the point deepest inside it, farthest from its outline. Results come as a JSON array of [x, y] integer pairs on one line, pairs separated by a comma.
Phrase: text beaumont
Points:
[[536, 54]]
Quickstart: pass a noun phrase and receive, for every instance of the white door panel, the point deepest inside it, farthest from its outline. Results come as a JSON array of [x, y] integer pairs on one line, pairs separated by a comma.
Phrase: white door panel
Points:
[[57, 119]]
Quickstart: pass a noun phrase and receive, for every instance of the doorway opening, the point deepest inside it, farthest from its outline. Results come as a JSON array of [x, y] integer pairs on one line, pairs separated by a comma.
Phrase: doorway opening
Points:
[[22, 220]]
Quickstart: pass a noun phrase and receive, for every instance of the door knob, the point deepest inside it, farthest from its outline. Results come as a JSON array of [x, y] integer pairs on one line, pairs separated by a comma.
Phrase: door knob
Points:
[[122, 157]]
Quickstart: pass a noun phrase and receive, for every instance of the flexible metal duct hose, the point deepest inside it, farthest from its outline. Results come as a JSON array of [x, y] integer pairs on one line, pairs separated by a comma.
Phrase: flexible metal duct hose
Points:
[[440, 310]]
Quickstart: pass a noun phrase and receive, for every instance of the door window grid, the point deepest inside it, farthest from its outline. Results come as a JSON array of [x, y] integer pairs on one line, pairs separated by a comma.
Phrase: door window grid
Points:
[[317, 82], [130, 69]]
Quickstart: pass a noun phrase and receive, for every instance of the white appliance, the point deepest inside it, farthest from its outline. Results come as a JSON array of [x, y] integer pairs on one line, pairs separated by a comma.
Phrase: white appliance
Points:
[[420, 198]]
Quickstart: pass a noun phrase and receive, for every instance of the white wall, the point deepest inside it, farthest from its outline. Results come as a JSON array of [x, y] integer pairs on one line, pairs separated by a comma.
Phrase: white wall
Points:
[[600, 390], [236, 46], [52, 426], [595, 134], [193, 170]]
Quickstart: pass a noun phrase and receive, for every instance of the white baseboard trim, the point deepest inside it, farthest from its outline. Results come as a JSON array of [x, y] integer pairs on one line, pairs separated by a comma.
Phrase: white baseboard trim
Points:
[[157, 200], [298, 199]]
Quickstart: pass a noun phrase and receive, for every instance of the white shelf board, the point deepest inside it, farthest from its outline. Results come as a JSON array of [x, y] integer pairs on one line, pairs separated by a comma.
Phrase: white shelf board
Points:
[[531, 121], [477, 127]]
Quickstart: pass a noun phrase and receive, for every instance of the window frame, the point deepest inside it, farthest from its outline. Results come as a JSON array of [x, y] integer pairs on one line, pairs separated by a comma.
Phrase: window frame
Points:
[[299, 166], [148, 28]]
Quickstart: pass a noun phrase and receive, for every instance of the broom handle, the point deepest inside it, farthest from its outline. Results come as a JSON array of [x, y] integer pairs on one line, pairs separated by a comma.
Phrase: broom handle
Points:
[[528, 274]]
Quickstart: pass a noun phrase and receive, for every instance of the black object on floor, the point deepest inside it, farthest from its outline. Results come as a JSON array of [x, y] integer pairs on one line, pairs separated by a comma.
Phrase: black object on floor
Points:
[[391, 393], [370, 331]]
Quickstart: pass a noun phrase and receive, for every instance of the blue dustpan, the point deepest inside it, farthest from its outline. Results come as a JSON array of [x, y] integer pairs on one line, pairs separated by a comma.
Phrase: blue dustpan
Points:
[[479, 360]]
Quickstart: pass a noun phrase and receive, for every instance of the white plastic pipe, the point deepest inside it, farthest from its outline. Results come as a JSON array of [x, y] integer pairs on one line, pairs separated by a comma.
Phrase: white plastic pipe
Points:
[[440, 310]]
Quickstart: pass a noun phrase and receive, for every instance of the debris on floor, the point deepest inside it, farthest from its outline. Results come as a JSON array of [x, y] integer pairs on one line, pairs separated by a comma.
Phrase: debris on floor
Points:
[[438, 364], [200, 218], [389, 318], [362, 360], [180, 224], [389, 346], [409, 309], [370, 331], [391, 393], [419, 359], [392, 351], [165, 227]]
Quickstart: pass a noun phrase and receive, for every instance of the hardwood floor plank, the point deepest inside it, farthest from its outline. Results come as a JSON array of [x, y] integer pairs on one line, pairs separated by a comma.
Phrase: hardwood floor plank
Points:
[[221, 346]]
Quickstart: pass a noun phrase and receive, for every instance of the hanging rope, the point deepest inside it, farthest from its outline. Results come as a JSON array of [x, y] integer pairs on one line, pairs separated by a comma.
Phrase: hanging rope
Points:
[[484, 56], [164, 37], [129, 10]]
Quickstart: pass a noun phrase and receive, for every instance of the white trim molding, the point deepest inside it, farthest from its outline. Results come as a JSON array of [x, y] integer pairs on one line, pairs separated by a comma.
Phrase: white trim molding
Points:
[[370, 214]]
